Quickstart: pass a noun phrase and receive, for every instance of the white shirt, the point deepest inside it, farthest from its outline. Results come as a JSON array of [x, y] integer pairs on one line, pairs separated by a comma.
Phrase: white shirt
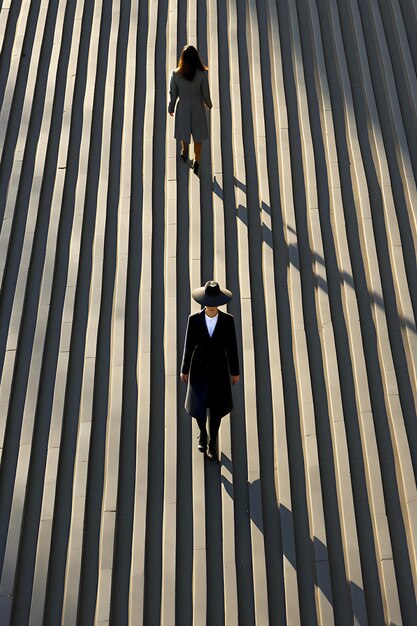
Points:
[[211, 323]]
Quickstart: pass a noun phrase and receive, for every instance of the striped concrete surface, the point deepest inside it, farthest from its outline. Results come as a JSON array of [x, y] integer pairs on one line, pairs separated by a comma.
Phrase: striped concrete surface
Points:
[[306, 208]]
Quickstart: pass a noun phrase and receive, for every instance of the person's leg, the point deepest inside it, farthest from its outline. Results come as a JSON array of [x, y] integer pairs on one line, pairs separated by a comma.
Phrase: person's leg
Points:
[[201, 421], [197, 154], [184, 148], [214, 425], [202, 438], [197, 151]]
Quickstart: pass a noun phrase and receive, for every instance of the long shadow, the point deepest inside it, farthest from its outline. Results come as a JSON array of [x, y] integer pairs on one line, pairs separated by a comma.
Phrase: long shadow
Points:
[[242, 532], [410, 23], [65, 477], [7, 46], [156, 459], [36, 474], [27, 327], [16, 108], [362, 513], [361, 506], [336, 562], [214, 548], [246, 607], [339, 278], [286, 517], [214, 556], [341, 602], [184, 536], [318, 383], [392, 500], [256, 235], [408, 113], [119, 607], [206, 198], [285, 514], [20, 215], [364, 525], [396, 325], [392, 148], [344, 277], [97, 451]]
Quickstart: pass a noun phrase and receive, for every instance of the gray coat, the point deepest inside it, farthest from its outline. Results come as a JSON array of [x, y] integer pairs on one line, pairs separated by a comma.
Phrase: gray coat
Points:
[[190, 116], [209, 363]]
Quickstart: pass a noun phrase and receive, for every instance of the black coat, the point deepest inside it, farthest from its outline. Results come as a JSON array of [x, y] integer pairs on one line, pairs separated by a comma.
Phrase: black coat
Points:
[[209, 362]]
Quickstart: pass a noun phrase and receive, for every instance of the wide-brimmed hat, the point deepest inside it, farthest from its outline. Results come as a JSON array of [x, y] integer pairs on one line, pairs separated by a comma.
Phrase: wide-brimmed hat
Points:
[[211, 294]]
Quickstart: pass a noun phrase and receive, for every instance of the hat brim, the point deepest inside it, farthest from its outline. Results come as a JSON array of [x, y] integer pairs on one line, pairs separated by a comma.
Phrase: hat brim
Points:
[[201, 297]]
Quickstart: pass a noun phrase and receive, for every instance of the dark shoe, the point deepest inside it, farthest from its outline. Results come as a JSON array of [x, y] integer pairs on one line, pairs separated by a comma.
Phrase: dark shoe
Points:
[[212, 452], [184, 155], [195, 167], [202, 442]]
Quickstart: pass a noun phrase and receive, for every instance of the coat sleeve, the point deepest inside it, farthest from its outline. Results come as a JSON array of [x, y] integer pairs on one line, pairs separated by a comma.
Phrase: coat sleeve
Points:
[[231, 349], [173, 93], [189, 345], [205, 91]]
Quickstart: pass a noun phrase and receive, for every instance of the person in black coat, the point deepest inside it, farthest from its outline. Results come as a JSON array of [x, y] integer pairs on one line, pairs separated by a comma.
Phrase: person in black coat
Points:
[[210, 362]]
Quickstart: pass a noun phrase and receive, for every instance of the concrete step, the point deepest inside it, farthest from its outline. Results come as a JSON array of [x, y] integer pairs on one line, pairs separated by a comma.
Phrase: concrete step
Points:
[[304, 207]]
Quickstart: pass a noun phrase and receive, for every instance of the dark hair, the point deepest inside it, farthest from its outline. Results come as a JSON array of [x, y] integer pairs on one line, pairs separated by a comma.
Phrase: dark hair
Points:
[[189, 63]]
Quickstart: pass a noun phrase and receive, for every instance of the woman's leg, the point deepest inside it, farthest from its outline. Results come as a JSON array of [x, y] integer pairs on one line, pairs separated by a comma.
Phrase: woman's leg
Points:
[[214, 425], [197, 151], [201, 421], [184, 145], [202, 437]]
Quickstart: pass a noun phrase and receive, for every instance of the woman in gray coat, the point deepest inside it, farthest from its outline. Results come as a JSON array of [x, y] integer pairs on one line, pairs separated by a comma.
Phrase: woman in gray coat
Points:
[[189, 85]]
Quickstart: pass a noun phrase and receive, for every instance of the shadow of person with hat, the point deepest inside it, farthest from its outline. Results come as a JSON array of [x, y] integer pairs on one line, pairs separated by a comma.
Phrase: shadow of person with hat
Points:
[[210, 363]]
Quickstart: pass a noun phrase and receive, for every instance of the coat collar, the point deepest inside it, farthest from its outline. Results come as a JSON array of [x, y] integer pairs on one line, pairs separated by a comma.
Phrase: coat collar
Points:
[[203, 321]]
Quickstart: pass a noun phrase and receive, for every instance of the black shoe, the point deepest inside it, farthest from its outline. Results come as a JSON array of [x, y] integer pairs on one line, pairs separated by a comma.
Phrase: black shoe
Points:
[[195, 167], [184, 155], [202, 442], [212, 452]]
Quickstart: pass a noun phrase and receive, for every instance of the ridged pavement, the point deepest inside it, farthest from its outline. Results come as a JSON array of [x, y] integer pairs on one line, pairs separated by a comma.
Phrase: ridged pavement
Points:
[[306, 208]]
